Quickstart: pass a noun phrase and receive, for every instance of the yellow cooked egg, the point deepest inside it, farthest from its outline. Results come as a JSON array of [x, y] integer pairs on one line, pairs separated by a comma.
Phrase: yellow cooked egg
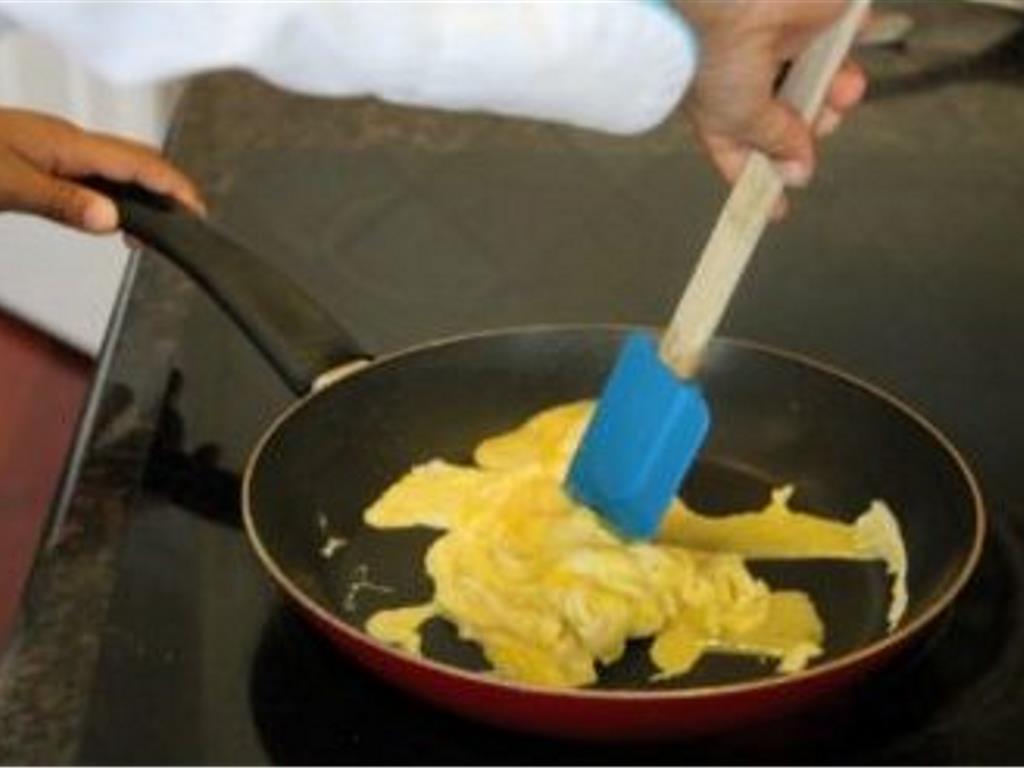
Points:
[[550, 592]]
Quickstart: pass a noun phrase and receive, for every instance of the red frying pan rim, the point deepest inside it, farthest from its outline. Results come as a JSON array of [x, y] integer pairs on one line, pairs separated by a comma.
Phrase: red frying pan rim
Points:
[[847, 661]]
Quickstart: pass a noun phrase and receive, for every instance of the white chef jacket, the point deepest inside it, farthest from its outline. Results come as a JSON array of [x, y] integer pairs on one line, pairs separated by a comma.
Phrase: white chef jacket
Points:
[[619, 66]]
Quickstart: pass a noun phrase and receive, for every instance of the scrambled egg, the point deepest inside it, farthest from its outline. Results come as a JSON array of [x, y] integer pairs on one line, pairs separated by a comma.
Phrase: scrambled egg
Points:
[[549, 591]]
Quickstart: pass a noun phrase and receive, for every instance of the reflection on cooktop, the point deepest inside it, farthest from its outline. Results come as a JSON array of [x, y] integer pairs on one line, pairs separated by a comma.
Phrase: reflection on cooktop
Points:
[[193, 479], [946, 696]]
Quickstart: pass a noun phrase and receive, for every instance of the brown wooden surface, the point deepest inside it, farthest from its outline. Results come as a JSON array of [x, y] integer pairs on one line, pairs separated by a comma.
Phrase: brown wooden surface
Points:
[[43, 386]]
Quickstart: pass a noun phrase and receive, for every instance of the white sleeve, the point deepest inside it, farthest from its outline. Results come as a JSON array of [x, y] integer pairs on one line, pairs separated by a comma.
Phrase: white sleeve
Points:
[[619, 67]]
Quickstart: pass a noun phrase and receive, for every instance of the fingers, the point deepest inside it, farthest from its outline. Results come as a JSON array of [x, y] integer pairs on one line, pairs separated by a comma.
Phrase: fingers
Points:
[[780, 132], [733, 102], [846, 92], [828, 122], [727, 155], [729, 159], [848, 87], [120, 159], [41, 157], [63, 201], [143, 165]]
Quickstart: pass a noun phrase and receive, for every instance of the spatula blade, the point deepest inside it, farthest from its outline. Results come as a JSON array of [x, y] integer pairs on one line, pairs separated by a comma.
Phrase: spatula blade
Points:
[[645, 433]]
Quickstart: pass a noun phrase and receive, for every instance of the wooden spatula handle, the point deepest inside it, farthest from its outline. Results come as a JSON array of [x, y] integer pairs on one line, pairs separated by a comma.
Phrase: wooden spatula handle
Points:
[[747, 210]]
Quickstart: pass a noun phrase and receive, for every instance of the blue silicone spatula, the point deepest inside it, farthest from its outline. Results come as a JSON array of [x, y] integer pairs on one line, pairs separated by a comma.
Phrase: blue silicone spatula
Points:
[[652, 417]]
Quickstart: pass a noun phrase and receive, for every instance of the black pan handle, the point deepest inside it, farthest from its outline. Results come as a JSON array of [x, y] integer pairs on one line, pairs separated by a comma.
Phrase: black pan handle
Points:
[[295, 334]]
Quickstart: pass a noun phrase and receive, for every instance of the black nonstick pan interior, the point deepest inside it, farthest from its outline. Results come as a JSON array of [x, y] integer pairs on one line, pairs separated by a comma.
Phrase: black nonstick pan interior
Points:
[[777, 420]]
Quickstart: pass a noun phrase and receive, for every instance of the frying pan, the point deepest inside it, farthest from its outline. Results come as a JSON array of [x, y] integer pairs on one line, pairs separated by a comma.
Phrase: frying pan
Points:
[[358, 425]]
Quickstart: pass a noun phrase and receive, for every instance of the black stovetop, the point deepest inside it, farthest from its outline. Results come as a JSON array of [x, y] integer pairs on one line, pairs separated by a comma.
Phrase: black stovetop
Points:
[[905, 265]]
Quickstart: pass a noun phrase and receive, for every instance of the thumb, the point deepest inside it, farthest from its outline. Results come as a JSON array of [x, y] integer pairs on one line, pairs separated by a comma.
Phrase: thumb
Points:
[[781, 133], [66, 202]]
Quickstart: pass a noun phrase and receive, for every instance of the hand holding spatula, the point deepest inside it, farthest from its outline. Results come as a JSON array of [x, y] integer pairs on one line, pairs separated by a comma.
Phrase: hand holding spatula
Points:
[[652, 417]]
